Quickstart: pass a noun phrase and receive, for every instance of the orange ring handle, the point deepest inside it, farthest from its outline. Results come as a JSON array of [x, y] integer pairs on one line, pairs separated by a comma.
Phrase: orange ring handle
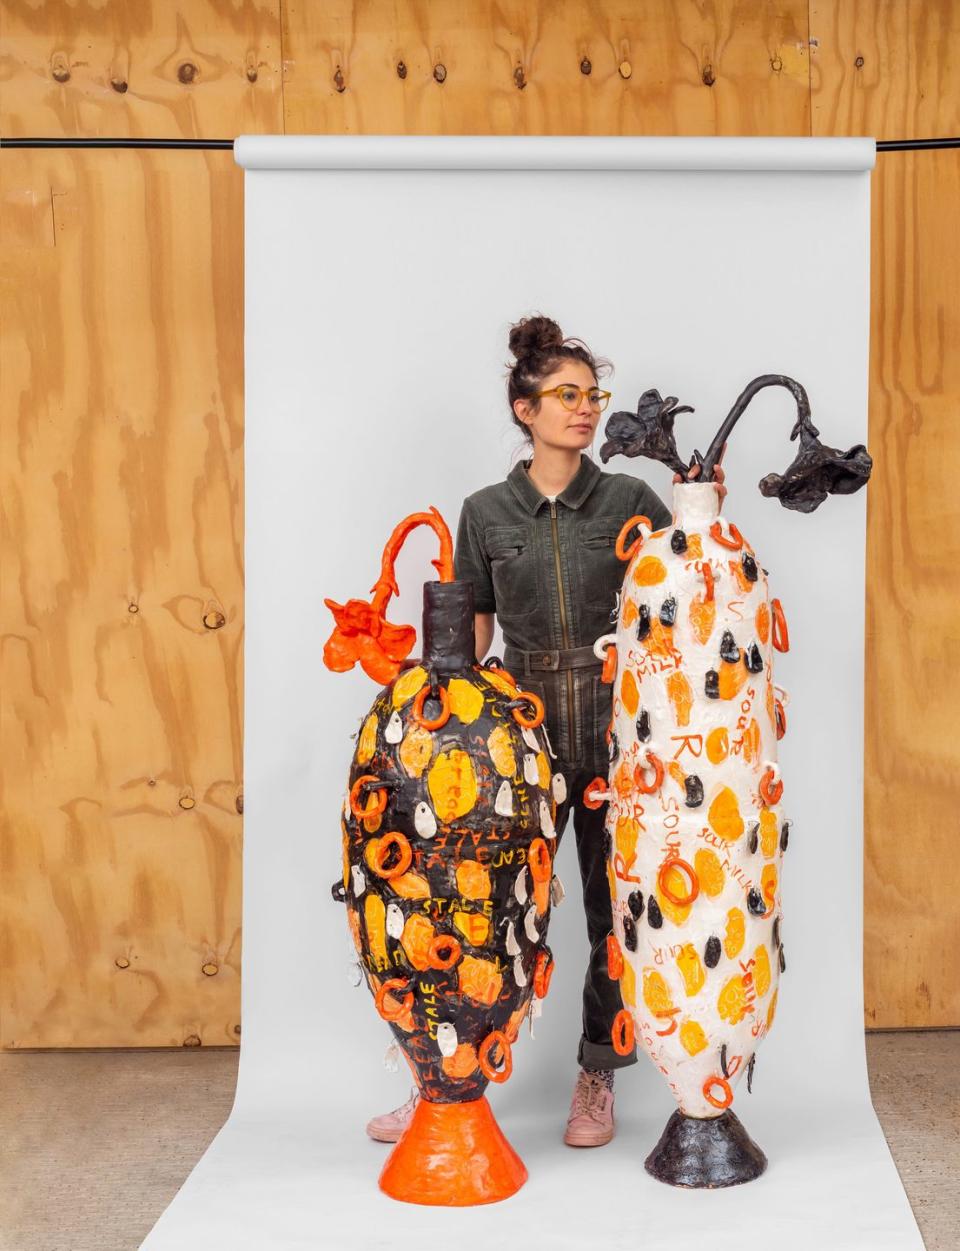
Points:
[[496, 1038], [724, 1085], [402, 1005], [770, 793], [538, 858], [393, 839], [735, 541], [781, 635], [609, 670], [529, 723], [674, 862], [589, 798], [542, 973], [435, 960], [780, 717], [422, 696], [627, 553], [656, 764], [376, 801], [621, 1033], [707, 572], [614, 958]]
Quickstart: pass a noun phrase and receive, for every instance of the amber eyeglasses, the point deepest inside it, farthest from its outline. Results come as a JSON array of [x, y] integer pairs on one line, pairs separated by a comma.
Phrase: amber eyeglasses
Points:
[[570, 396]]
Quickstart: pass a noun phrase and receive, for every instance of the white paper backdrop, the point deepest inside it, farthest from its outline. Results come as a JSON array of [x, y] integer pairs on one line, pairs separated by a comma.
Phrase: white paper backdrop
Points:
[[382, 275]]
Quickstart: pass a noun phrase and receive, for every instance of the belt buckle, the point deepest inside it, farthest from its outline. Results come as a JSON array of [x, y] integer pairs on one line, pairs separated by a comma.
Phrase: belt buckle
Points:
[[550, 661]]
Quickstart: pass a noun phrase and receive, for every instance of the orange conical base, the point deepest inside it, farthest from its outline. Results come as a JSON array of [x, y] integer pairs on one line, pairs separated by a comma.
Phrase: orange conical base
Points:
[[453, 1154]]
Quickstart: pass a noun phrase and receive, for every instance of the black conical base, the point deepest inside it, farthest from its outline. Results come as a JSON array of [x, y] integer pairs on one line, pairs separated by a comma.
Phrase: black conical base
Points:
[[714, 1151]]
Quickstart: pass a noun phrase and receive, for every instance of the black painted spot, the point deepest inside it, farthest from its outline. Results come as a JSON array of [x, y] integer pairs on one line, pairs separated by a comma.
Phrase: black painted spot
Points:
[[678, 541], [629, 934], [753, 659], [749, 567], [668, 611], [614, 747], [728, 649], [783, 961], [776, 931], [711, 685], [785, 836], [654, 915], [711, 953], [694, 788], [635, 904], [643, 725], [755, 903], [643, 622], [754, 840]]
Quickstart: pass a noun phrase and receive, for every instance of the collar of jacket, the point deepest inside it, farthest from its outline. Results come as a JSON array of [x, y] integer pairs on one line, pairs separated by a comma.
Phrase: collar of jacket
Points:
[[573, 495]]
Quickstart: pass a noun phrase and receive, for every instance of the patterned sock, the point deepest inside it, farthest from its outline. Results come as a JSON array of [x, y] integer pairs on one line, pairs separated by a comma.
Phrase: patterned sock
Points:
[[605, 1075]]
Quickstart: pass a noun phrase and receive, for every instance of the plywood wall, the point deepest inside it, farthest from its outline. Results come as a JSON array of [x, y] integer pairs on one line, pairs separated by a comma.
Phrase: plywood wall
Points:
[[122, 430]]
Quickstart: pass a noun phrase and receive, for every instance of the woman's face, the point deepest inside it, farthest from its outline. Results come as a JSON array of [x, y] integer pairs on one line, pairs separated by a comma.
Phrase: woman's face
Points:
[[555, 426]]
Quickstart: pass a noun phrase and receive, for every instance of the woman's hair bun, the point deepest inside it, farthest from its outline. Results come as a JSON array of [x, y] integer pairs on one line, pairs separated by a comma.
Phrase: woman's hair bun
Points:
[[533, 336]]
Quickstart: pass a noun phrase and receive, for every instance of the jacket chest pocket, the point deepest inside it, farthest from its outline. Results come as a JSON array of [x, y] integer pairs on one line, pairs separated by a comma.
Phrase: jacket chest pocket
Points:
[[601, 569], [513, 568]]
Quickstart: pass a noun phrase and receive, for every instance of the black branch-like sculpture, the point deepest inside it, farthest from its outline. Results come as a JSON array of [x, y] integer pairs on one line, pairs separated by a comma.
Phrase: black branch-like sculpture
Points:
[[816, 471]]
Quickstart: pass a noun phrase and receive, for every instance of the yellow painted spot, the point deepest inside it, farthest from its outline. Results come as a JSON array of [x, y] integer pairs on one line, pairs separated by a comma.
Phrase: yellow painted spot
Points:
[[407, 685], [751, 742], [410, 885], [543, 771], [416, 750], [732, 1001], [692, 1038], [718, 745], [678, 885], [473, 880], [771, 707], [768, 832], [694, 547], [629, 693], [346, 861], [649, 571], [629, 613], [474, 926], [710, 872], [681, 696], [367, 743], [375, 915], [763, 623], [499, 683], [736, 932], [466, 701], [500, 747], [761, 971], [627, 831], [628, 985], [677, 773], [703, 616], [354, 922], [462, 1063], [772, 1010], [768, 884], [656, 992], [452, 784], [415, 940], [691, 969], [479, 979], [659, 642], [724, 815]]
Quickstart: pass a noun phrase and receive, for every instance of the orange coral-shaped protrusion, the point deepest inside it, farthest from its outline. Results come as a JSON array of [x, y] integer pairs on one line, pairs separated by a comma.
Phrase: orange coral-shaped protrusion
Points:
[[362, 632]]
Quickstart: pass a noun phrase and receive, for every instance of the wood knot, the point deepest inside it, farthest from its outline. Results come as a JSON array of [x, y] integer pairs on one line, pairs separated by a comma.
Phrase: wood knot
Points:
[[440, 72], [133, 606], [776, 64], [239, 802], [122, 962], [251, 67], [60, 67], [187, 72], [213, 617], [151, 781], [708, 76], [625, 68], [338, 80], [192, 1040], [210, 970], [401, 69], [585, 66], [519, 77], [187, 801], [119, 85], [236, 1029], [859, 62]]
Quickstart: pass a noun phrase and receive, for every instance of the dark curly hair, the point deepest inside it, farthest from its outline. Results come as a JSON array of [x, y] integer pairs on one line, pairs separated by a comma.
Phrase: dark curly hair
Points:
[[540, 347]]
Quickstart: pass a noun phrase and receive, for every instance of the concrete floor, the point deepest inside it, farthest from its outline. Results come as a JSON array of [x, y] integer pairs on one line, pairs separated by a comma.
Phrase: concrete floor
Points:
[[94, 1145]]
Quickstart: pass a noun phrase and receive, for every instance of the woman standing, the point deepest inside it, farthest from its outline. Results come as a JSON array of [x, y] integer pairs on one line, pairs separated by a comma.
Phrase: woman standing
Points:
[[539, 549]]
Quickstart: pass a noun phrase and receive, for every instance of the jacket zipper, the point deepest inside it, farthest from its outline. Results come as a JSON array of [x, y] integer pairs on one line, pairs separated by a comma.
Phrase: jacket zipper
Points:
[[563, 616]]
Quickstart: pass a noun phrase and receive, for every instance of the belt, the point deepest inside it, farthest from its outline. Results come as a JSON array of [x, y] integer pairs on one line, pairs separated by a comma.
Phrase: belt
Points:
[[550, 662]]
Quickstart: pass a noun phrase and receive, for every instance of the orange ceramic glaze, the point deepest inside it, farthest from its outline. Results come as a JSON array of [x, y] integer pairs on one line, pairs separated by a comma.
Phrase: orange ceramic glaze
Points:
[[628, 689], [681, 696], [733, 675], [649, 571], [763, 623], [703, 615], [452, 1155]]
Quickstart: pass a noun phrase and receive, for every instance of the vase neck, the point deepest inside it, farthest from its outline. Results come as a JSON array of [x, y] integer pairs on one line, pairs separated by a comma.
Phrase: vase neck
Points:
[[448, 626], [695, 505]]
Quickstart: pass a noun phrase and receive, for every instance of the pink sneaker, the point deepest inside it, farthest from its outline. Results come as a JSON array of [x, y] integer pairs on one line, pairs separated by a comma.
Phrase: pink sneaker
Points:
[[389, 1126], [590, 1123]]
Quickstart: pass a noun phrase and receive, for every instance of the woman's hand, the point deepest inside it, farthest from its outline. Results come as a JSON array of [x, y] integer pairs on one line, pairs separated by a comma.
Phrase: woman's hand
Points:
[[718, 477]]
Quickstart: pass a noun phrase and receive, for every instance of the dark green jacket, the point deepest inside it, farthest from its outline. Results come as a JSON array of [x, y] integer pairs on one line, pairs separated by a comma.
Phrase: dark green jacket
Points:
[[550, 574]]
